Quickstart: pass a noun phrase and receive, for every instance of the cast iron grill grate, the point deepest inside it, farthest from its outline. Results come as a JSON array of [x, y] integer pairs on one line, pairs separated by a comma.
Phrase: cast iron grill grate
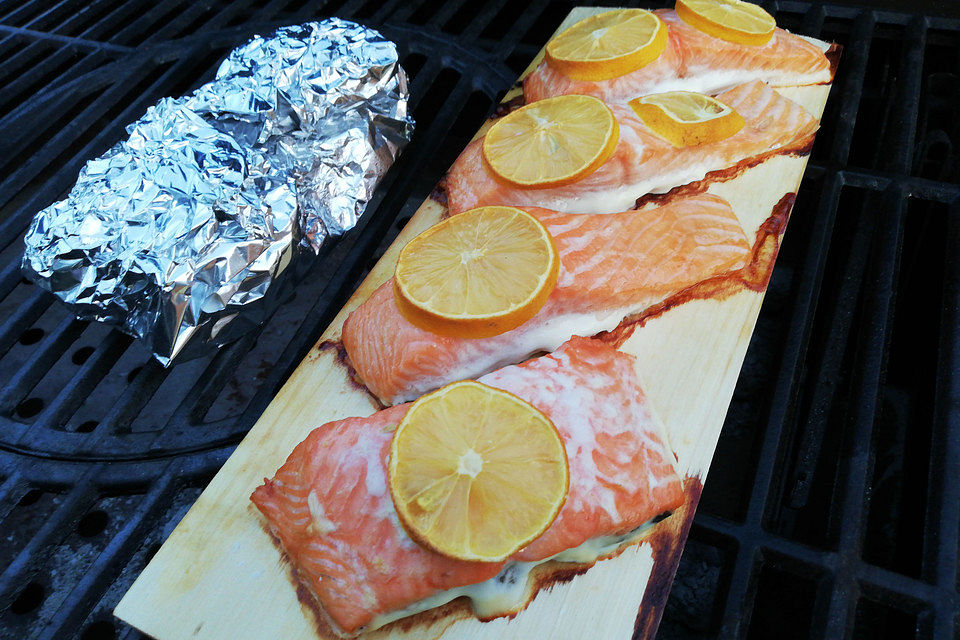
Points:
[[830, 510]]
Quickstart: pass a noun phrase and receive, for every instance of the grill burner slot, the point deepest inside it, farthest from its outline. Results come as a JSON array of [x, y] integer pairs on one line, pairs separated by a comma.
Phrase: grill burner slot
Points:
[[832, 508]]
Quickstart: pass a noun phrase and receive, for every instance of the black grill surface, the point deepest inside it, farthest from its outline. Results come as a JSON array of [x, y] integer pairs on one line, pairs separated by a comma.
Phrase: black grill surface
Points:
[[833, 503]]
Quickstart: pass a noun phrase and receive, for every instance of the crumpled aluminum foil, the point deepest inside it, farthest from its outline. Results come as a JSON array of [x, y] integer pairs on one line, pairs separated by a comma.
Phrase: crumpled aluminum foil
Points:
[[180, 233]]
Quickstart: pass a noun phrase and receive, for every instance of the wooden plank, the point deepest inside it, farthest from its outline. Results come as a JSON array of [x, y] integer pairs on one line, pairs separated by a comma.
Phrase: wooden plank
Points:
[[219, 574]]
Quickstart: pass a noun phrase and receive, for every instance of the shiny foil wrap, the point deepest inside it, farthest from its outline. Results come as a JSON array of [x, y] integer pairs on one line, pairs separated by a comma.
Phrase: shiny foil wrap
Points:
[[180, 233]]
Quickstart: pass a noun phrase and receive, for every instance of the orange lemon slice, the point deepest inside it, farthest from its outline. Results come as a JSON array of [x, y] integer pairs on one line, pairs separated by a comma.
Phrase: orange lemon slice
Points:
[[608, 45], [730, 20], [476, 473], [477, 274], [685, 118], [551, 142]]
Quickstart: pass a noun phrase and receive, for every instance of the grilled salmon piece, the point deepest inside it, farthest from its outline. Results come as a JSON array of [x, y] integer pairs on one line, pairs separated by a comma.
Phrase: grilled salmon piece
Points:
[[330, 507], [695, 61], [611, 266], [642, 162]]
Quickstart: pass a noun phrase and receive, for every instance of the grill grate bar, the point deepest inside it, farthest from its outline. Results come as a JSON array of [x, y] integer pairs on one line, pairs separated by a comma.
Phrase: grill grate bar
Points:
[[88, 118], [897, 585], [943, 514], [867, 375], [480, 22], [403, 12], [42, 359], [923, 188], [20, 63], [9, 279], [23, 12], [878, 300], [97, 13], [140, 25], [740, 591], [907, 97], [11, 485], [202, 394], [446, 12], [59, 17], [81, 384], [21, 320], [49, 71], [76, 501], [798, 337], [391, 8], [82, 43], [175, 26], [102, 29], [534, 11], [813, 20], [232, 9], [90, 588], [829, 369], [128, 406], [854, 73]]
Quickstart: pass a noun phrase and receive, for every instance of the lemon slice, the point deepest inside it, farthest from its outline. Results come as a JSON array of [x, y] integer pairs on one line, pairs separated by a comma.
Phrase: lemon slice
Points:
[[685, 118], [608, 45], [551, 142], [476, 473], [477, 274], [730, 20]]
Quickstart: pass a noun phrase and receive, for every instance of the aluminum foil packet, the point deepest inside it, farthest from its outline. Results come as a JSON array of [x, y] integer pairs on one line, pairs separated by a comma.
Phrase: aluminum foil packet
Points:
[[180, 233]]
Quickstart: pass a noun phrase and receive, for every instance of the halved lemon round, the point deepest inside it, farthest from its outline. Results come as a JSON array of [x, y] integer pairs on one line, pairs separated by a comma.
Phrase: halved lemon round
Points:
[[608, 45], [685, 118], [477, 274], [476, 473], [551, 142], [730, 20]]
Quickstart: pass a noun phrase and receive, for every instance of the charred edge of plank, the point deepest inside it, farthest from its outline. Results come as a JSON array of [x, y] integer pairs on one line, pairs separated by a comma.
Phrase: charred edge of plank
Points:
[[667, 546], [833, 57], [755, 276]]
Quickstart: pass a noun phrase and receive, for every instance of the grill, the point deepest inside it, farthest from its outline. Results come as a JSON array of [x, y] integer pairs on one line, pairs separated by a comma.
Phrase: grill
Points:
[[832, 508]]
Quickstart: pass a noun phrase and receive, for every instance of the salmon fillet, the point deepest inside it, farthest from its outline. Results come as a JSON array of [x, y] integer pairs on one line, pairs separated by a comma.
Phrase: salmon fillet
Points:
[[611, 266], [330, 507], [642, 162], [695, 61]]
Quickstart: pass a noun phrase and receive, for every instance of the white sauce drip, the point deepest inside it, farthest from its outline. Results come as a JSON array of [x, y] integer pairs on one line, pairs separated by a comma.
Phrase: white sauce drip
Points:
[[507, 591]]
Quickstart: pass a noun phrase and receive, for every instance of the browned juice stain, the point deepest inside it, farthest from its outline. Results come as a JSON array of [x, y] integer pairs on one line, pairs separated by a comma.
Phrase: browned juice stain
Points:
[[667, 544], [439, 194], [308, 603], [342, 359], [755, 276], [508, 106], [800, 148]]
